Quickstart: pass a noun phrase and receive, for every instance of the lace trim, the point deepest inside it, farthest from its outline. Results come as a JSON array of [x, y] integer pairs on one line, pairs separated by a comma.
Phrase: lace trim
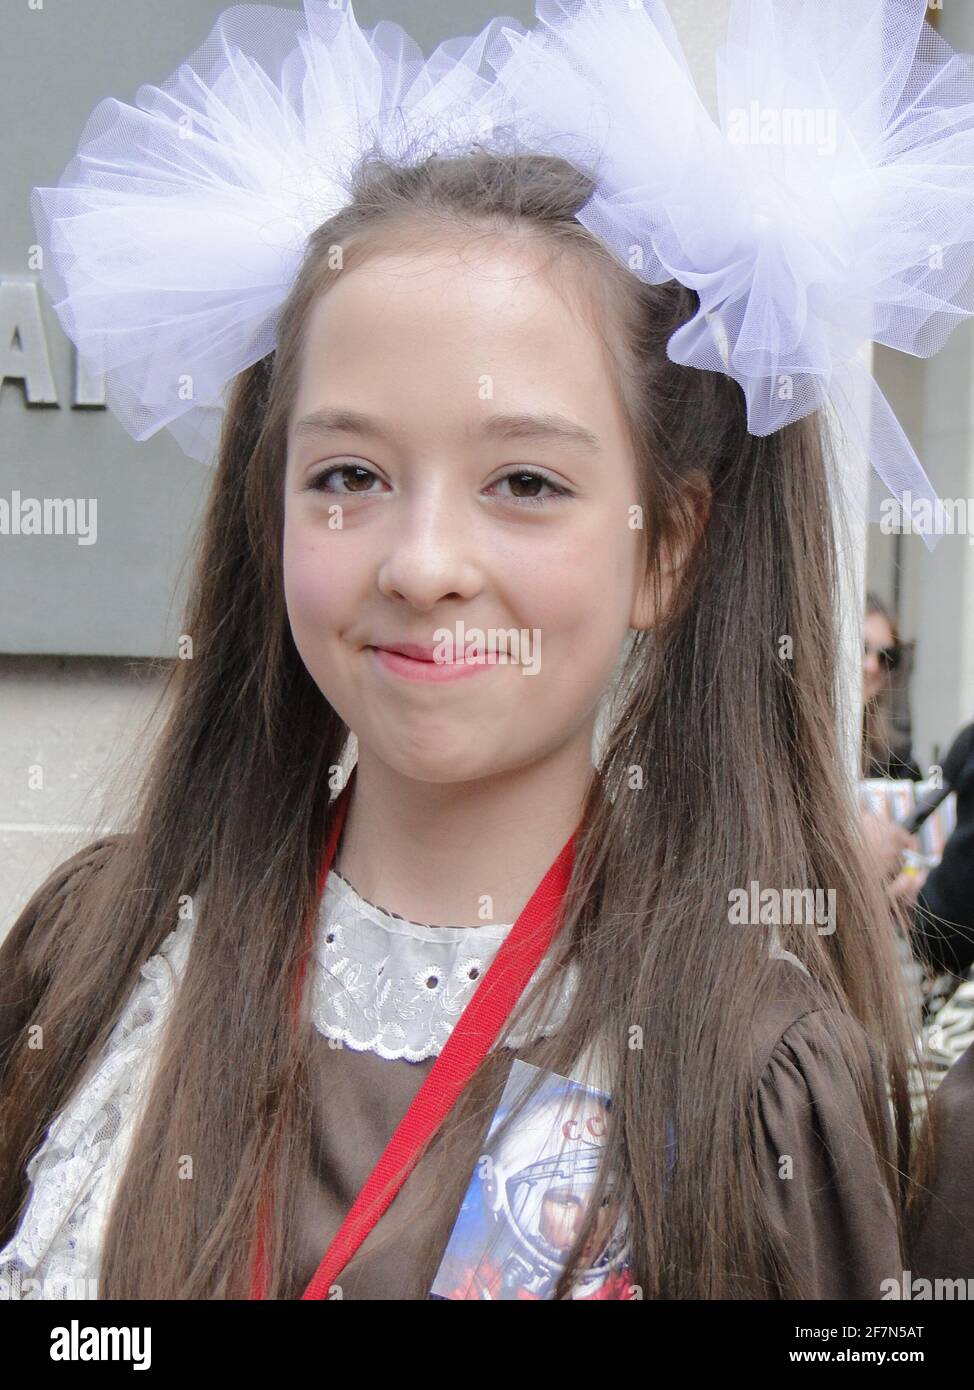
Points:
[[383, 915], [56, 1250], [381, 983], [396, 991]]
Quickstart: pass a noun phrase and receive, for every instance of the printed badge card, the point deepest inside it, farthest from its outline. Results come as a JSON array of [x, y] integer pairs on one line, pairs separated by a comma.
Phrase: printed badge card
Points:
[[527, 1197]]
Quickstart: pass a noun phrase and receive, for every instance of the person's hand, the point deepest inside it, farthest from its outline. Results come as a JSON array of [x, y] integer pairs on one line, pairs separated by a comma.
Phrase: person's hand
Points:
[[885, 842], [905, 888]]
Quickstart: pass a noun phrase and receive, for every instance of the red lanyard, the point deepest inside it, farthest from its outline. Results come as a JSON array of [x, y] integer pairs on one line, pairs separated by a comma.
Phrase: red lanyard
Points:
[[472, 1037]]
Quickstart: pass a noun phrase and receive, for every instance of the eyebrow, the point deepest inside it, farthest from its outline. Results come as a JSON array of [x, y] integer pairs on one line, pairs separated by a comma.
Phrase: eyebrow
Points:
[[546, 427]]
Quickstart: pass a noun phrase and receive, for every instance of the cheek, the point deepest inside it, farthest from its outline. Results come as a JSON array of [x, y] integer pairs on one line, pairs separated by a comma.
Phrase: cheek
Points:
[[314, 581], [582, 594]]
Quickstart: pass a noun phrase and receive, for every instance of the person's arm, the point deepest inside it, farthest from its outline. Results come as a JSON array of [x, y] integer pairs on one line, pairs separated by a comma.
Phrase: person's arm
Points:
[[835, 1222], [943, 921]]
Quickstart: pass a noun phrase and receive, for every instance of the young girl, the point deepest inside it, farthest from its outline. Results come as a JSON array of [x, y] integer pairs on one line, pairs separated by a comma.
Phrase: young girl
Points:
[[470, 418]]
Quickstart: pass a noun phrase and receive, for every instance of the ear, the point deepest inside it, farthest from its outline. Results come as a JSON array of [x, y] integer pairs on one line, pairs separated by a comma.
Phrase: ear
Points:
[[653, 601]]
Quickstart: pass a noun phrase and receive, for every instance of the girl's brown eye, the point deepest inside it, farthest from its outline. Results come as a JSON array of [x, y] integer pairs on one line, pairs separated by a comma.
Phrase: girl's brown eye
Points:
[[525, 485], [353, 476], [533, 482]]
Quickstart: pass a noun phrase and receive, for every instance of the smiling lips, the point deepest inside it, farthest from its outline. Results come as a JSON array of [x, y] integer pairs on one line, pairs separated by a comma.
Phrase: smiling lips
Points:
[[417, 663]]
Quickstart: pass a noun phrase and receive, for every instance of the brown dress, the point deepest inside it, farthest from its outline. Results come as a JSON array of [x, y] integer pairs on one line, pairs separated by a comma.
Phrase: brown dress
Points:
[[833, 1213], [941, 1229]]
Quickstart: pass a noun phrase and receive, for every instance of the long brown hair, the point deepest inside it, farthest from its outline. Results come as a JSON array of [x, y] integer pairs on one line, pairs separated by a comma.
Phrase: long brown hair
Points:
[[720, 766]]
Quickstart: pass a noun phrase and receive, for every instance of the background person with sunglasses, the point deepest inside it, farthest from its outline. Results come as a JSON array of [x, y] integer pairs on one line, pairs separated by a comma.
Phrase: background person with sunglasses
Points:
[[884, 752]]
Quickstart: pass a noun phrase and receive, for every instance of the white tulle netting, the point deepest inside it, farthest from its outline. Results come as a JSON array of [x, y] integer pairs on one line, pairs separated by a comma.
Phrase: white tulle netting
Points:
[[831, 204], [175, 233]]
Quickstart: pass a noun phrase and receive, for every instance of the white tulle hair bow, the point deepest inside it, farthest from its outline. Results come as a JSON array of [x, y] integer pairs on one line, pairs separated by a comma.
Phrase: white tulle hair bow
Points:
[[831, 205], [176, 232]]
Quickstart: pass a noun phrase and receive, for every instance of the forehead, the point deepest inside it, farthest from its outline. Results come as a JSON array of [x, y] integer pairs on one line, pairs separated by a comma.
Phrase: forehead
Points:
[[877, 622], [876, 625], [452, 328]]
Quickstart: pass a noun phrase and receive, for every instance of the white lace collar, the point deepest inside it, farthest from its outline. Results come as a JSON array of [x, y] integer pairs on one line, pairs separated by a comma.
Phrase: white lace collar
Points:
[[386, 985], [380, 983]]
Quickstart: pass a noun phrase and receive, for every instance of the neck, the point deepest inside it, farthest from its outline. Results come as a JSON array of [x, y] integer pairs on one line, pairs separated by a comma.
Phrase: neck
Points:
[[433, 851]]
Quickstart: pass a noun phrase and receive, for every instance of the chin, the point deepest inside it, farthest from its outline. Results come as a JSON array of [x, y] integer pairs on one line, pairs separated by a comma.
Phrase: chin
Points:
[[436, 760]]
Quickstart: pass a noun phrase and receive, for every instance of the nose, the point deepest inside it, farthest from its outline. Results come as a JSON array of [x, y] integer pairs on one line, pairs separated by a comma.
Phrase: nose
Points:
[[433, 551]]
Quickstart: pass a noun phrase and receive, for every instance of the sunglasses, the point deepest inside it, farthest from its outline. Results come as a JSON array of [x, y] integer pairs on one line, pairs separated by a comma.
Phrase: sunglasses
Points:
[[888, 657]]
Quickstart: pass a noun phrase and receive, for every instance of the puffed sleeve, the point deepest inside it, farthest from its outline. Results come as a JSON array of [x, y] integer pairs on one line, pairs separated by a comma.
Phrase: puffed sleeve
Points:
[[834, 1219], [28, 947], [941, 1223]]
